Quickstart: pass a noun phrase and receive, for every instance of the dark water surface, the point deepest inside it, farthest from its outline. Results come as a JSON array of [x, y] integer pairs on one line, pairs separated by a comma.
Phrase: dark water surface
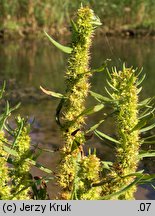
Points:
[[27, 65]]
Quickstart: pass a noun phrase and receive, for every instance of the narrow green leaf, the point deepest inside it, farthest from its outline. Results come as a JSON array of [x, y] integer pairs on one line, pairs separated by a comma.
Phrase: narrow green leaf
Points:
[[144, 102], [149, 137], [112, 86], [59, 46], [74, 26], [38, 165], [99, 97], [139, 71], [109, 93], [104, 136], [149, 142], [147, 179], [139, 90], [107, 165], [144, 154], [139, 125], [148, 128], [15, 107], [141, 80], [109, 75], [10, 151], [96, 21], [51, 93], [47, 150], [136, 174], [123, 190], [5, 115], [21, 125], [92, 110], [2, 90], [148, 115], [95, 126], [130, 80], [153, 186]]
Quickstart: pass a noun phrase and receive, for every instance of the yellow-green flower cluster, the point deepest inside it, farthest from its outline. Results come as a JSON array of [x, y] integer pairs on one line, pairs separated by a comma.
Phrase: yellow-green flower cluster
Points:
[[77, 77], [4, 173], [21, 166], [67, 175], [126, 95], [89, 170]]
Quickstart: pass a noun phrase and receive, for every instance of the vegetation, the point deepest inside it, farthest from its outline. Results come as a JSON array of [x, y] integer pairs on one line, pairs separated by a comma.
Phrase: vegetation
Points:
[[25, 16], [16, 159], [81, 174]]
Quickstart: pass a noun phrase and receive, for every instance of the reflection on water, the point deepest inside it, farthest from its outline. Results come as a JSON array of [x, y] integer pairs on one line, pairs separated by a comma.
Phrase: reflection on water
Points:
[[27, 65]]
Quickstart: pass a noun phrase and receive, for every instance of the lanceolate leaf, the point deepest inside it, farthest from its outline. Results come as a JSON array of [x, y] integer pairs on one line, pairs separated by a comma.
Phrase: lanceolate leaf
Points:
[[10, 151], [89, 111], [136, 174], [74, 26], [149, 142], [148, 115], [153, 186], [107, 165], [123, 190], [144, 154], [15, 154], [147, 128], [112, 86], [144, 103], [140, 124], [139, 90], [95, 126], [141, 80], [99, 97], [104, 136], [51, 93], [92, 110], [139, 71], [38, 165], [147, 178], [59, 46], [109, 93], [149, 137]]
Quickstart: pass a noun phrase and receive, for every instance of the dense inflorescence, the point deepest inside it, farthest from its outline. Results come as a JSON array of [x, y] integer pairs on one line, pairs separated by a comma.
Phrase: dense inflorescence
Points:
[[77, 82], [21, 169], [125, 93], [4, 172]]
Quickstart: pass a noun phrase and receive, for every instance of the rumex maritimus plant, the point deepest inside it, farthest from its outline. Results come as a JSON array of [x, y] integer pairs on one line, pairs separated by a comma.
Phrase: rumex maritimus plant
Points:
[[131, 117], [81, 176], [72, 110], [16, 158]]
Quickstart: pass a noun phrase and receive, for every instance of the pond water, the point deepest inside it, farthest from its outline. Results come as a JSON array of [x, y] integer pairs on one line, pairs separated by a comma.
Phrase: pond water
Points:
[[27, 65]]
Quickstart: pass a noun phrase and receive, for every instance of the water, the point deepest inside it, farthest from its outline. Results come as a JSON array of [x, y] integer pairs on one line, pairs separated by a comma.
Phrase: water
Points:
[[27, 65]]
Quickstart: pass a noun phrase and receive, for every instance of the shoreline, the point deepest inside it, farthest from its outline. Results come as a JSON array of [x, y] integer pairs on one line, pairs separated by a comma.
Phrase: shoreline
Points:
[[38, 33]]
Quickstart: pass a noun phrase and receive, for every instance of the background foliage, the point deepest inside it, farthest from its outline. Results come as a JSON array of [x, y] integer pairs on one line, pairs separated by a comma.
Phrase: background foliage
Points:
[[30, 15]]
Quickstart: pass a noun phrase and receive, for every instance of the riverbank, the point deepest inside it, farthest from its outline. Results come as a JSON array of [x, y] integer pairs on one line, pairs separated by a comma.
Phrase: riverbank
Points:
[[28, 19], [29, 34]]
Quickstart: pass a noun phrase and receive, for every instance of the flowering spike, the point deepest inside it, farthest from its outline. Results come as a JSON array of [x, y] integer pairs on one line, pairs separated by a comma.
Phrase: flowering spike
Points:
[[127, 118], [77, 81]]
